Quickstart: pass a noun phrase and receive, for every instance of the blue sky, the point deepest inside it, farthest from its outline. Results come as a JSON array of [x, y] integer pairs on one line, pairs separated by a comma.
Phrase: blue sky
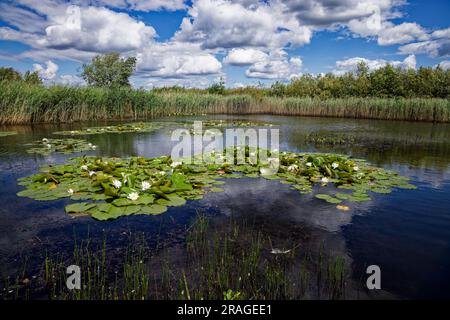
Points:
[[244, 42]]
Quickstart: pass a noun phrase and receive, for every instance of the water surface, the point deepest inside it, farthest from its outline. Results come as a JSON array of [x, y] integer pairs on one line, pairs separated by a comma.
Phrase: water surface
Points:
[[406, 233]]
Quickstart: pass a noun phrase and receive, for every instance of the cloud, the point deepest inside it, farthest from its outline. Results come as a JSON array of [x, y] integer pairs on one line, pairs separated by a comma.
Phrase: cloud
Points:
[[243, 57], [70, 80], [156, 5], [176, 60], [444, 64], [437, 46], [350, 65], [46, 73], [397, 34], [224, 24], [277, 65], [433, 48], [96, 30]]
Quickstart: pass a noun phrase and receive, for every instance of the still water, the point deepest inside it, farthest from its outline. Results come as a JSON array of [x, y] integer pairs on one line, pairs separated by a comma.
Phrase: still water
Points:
[[406, 233]]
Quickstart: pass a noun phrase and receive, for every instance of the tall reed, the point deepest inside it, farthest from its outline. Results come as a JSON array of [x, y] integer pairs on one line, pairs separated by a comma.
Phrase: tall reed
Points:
[[21, 103]]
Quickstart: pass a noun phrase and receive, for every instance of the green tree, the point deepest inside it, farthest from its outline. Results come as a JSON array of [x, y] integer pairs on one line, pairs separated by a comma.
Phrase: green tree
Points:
[[32, 78], [109, 70], [217, 87], [9, 74]]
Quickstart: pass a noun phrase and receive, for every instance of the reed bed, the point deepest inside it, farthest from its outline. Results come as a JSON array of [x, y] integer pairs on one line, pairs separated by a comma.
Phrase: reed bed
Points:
[[21, 103]]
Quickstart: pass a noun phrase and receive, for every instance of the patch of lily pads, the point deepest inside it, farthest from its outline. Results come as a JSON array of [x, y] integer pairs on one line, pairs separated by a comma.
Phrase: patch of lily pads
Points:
[[109, 188], [121, 128], [66, 146], [330, 139], [7, 133], [208, 125]]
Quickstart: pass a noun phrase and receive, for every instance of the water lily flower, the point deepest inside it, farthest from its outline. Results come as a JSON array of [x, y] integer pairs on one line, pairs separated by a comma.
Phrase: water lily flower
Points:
[[293, 168], [72, 132], [324, 180], [176, 164], [146, 185], [133, 196], [162, 173], [117, 184], [84, 167], [274, 150], [90, 144], [70, 191], [94, 147], [335, 165], [309, 164], [91, 173], [274, 162], [44, 140], [355, 168]]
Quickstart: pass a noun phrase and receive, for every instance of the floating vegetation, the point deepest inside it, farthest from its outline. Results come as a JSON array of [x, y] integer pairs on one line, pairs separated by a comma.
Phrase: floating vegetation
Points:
[[7, 133], [330, 138], [66, 146], [208, 125], [114, 187], [122, 128]]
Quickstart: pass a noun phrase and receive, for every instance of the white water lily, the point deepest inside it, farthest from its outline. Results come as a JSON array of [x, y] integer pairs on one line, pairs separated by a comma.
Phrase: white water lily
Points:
[[293, 168], [335, 165], [274, 150], [162, 173], [94, 147], [48, 145], [84, 167], [44, 140], [273, 162], [267, 171], [355, 168], [176, 164], [90, 144], [133, 196], [117, 184], [145, 185], [70, 191], [91, 173], [309, 164], [324, 180], [72, 132]]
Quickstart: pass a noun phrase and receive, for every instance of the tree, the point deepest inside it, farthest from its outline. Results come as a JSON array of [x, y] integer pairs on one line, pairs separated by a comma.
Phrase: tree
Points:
[[9, 74], [109, 70], [217, 87], [32, 78]]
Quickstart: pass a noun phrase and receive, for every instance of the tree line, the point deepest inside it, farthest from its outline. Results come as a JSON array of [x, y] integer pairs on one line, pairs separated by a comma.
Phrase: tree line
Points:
[[112, 71]]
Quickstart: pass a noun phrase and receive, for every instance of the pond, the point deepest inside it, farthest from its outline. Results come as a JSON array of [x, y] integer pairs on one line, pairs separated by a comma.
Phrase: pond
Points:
[[406, 232]]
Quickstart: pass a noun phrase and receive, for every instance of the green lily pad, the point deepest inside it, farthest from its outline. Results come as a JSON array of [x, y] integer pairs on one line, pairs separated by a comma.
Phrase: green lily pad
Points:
[[154, 183], [79, 207], [153, 209]]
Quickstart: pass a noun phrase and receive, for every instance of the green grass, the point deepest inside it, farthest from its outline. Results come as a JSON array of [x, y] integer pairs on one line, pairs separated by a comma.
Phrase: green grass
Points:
[[21, 103]]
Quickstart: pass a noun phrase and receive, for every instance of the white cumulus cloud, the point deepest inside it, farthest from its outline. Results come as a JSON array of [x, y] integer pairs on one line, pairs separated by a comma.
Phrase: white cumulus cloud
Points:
[[47, 72], [243, 57], [350, 65]]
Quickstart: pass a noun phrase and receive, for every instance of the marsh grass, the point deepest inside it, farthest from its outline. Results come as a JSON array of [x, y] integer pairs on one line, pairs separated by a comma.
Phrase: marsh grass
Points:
[[231, 263], [21, 103]]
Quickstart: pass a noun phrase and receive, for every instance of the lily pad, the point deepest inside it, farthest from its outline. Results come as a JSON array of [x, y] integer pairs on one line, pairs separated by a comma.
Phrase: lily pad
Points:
[[118, 187]]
